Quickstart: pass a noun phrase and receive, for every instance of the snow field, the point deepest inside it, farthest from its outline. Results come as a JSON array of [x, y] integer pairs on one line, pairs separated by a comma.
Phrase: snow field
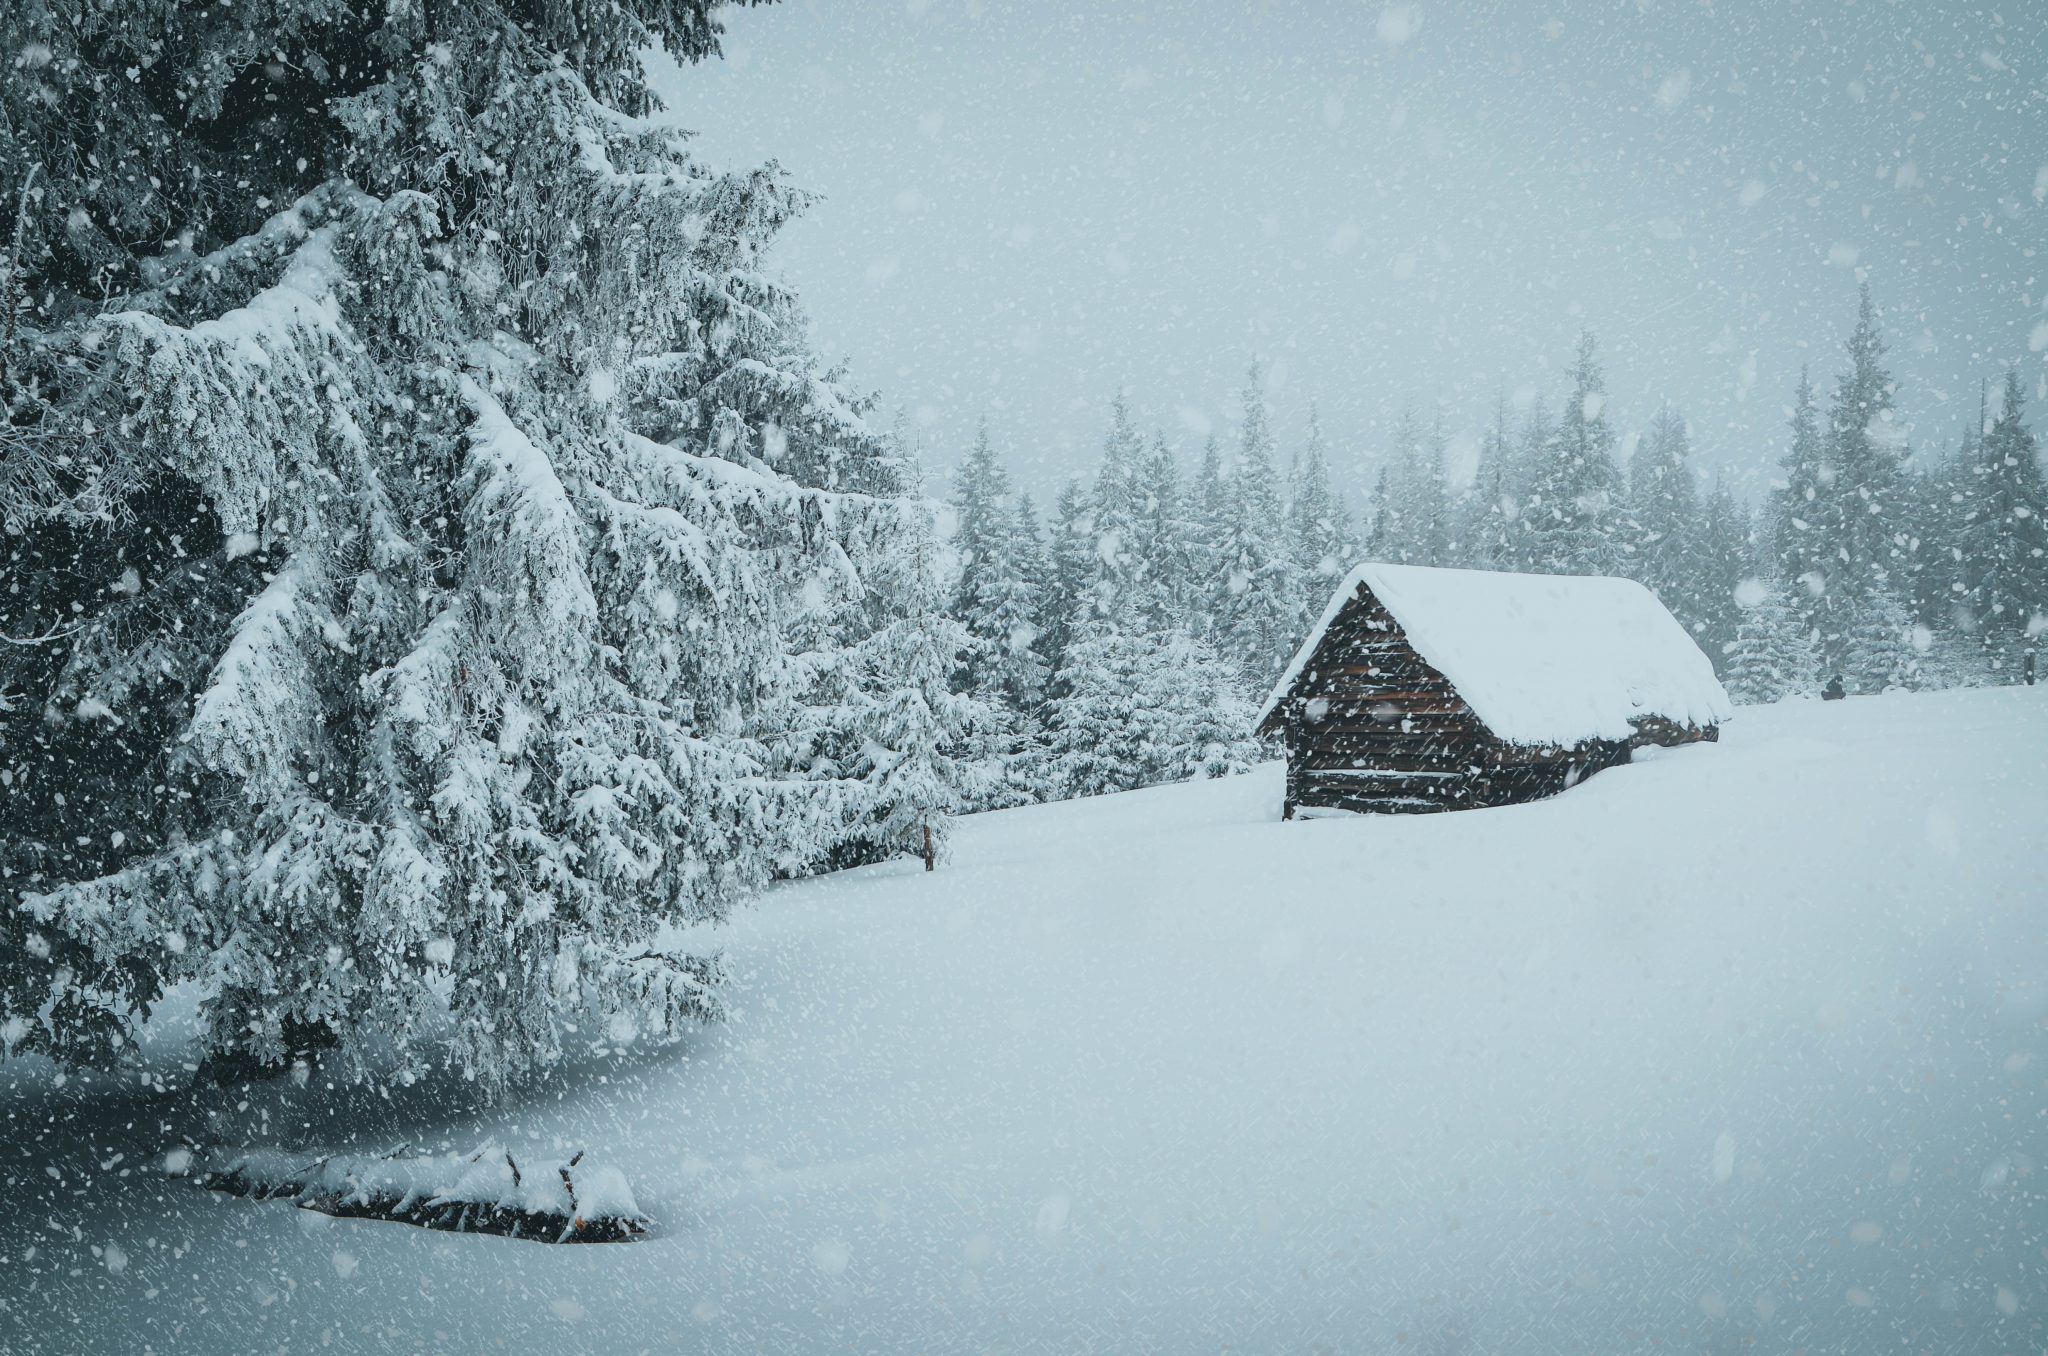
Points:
[[1742, 1043]]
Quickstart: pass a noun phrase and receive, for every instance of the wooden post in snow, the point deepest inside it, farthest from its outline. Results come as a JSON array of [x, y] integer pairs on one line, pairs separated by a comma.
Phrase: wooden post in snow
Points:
[[931, 855]]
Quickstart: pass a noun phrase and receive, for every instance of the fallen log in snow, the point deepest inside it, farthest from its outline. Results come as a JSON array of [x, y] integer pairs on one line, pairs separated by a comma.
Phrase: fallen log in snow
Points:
[[487, 1192]]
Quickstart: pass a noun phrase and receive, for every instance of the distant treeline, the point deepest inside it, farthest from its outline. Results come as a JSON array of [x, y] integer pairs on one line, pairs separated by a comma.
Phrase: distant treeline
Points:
[[1126, 641]]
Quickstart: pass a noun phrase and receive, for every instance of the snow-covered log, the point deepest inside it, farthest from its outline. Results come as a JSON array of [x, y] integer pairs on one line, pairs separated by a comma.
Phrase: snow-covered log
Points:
[[487, 1192]]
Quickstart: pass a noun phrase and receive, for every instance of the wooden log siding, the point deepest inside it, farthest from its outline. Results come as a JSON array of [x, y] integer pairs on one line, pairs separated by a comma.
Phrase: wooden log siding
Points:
[[1371, 726]]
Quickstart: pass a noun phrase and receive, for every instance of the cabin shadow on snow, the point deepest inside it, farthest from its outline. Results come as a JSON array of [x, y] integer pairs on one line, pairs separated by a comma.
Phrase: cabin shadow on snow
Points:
[[1426, 689]]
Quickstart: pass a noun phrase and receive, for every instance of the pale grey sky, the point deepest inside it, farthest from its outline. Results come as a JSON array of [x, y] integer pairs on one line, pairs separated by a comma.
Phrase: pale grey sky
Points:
[[1028, 203]]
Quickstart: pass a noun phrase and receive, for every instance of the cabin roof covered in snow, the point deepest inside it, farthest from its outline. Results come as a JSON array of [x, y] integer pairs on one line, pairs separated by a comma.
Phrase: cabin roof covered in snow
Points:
[[1540, 659]]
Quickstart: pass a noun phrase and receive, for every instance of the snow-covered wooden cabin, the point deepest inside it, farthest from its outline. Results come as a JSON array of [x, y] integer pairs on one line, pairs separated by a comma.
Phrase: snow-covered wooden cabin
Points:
[[1426, 689]]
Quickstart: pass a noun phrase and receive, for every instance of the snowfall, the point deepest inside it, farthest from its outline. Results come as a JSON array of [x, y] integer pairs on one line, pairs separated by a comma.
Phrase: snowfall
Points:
[[1741, 1047]]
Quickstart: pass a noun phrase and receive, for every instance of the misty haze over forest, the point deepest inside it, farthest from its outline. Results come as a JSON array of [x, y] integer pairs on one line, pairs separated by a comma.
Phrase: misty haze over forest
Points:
[[1029, 204]]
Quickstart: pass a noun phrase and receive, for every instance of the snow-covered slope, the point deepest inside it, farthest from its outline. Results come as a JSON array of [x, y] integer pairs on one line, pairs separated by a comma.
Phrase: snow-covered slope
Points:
[[1743, 1042]]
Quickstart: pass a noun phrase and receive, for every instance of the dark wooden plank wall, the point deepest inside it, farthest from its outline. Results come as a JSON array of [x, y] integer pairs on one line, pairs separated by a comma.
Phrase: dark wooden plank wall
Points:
[[1372, 726]]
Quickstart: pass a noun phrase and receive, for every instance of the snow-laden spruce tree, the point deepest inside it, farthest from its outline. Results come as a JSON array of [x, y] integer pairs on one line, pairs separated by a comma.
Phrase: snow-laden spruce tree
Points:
[[1093, 746], [1071, 560], [1727, 552], [1209, 515], [1664, 502], [1319, 528], [999, 598], [422, 538], [1169, 559], [1489, 511], [1411, 510], [1934, 513], [1525, 464], [875, 728], [1852, 538], [1796, 499], [2003, 539], [1576, 520], [1773, 656], [1140, 529], [1256, 601], [996, 597], [1190, 718], [1134, 524], [1956, 656], [1416, 517], [1136, 708], [1877, 649]]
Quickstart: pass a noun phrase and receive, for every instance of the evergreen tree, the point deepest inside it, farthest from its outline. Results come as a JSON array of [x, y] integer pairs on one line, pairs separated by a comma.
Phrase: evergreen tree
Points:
[[1138, 710], [1166, 543], [996, 597], [1708, 596], [1191, 721], [1093, 743], [1432, 496], [1574, 519], [1958, 658], [1773, 655], [1388, 539], [1491, 506], [1013, 738], [1119, 512], [2004, 536], [1319, 526], [1935, 511], [437, 556], [1070, 574], [1877, 650], [1034, 566], [913, 748], [1796, 500], [1257, 607], [1857, 508], [981, 489], [1664, 499], [1411, 523], [1532, 448], [1209, 514]]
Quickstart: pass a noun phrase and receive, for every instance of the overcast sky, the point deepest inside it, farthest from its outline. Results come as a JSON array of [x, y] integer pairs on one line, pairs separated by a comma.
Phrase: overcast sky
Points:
[[1027, 205]]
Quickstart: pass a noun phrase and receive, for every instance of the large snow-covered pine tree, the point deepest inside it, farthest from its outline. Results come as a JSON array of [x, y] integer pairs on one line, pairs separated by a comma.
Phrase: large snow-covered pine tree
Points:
[[423, 534]]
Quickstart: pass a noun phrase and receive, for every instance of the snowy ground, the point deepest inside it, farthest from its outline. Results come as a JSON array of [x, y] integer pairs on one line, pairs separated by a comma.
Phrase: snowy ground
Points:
[[1743, 1042]]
